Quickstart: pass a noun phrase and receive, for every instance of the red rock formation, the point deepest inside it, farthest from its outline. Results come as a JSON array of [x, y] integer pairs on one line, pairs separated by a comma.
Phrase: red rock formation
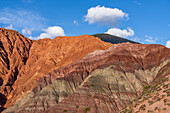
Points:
[[103, 81], [14, 52], [23, 62], [136, 66], [127, 57]]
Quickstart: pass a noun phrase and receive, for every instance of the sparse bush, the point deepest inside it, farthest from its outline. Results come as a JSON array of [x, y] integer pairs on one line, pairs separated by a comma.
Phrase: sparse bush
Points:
[[158, 99], [165, 79], [165, 100], [89, 95], [86, 110], [130, 111], [159, 89], [146, 88], [168, 93], [165, 86], [142, 107], [65, 110], [150, 111], [92, 85], [150, 102], [164, 109], [155, 108]]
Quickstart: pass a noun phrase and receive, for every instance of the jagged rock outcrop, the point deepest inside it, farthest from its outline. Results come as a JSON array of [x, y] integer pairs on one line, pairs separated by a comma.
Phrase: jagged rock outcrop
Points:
[[23, 61], [103, 81], [14, 52]]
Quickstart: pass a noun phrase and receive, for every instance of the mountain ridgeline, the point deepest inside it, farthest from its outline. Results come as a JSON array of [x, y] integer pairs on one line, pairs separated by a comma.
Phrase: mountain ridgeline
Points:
[[83, 74], [113, 39]]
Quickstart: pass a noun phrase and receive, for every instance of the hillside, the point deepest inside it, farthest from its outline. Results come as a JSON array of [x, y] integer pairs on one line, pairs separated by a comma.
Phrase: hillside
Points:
[[113, 39], [154, 99], [23, 61], [103, 81]]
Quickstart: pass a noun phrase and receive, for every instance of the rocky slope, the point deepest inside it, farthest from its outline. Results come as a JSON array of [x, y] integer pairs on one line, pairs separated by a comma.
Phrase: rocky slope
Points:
[[103, 81], [154, 99], [23, 62], [14, 53]]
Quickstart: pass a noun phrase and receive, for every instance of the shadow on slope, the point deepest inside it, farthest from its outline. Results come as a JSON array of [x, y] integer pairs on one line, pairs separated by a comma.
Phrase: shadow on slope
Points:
[[113, 39]]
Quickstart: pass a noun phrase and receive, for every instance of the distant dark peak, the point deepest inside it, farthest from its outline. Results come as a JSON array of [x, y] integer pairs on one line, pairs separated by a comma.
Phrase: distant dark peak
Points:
[[113, 39]]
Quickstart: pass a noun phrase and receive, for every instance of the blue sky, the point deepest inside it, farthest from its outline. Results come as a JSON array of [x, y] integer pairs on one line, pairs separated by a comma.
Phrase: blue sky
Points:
[[146, 21]]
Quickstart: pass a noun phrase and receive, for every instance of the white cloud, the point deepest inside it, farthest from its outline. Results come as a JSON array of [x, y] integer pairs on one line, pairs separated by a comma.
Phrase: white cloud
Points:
[[21, 18], [168, 44], [121, 33], [9, 27], [104, 15], [26, 31], [75, 22], [50, 32], [150, 39]]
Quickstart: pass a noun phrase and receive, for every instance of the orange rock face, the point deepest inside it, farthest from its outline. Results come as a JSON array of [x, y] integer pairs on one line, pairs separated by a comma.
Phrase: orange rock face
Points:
[[23, 62], [14, 52]]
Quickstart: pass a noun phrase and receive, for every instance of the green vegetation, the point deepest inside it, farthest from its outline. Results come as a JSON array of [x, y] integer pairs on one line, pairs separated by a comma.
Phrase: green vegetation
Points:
[[165, 100], [92, 85], [142, 107], [168, 104], [86, 110], [165, 79], [146, 88], [155, 108], [124, 111], [165, 86], [150, 102], [130, 111], [150, 111], [151, 94], [164, 109], [65, 110], [89, 95]]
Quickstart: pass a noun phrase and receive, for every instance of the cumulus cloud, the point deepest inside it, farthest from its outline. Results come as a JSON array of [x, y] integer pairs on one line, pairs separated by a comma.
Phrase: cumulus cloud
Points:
[[168, 44], [26, 31], [104, 15], [21, 18], [9, 27], [121, 33], [150, 39], [50, 32]]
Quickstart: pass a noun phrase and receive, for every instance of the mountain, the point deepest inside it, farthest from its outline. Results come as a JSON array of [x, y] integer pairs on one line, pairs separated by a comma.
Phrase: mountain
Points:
[[113, 39], [23, 61], [14, 52], [104, 81]]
